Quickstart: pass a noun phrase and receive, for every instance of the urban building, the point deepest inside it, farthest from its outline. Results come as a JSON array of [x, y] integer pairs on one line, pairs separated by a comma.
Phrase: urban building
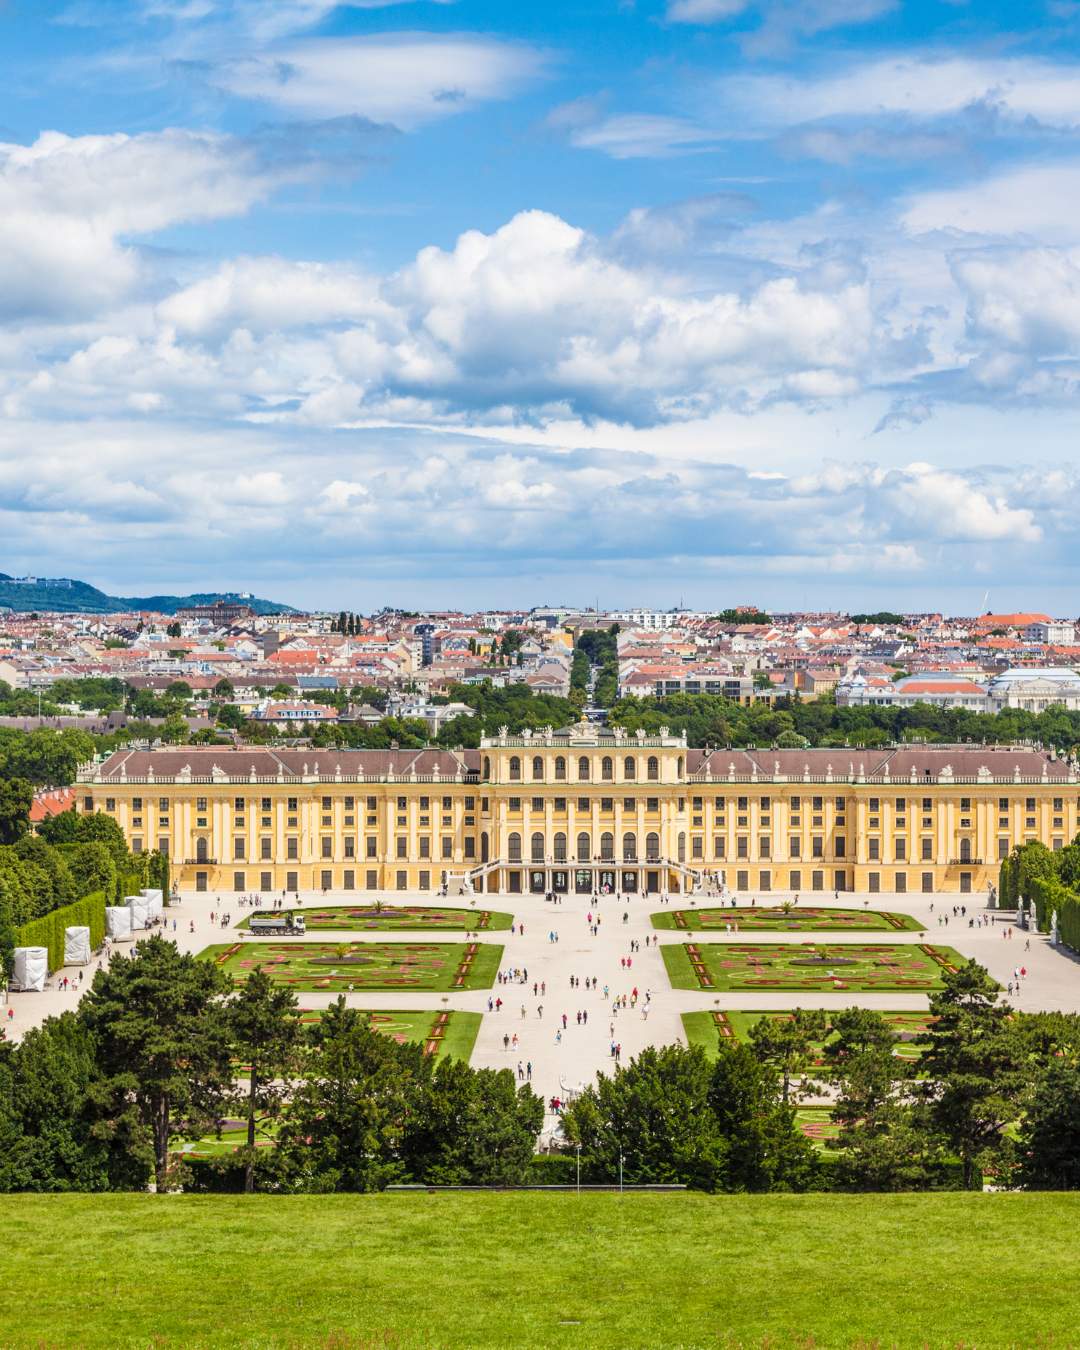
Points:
[[586, 808]]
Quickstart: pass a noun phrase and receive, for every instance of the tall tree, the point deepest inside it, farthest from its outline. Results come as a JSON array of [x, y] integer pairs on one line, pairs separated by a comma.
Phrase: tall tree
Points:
[[16, 794], [881, 1145], [160, 1023], [763, 1148], [1049, 1145], [975, 1073], [265, 1033], [788, 1043], [653, 1115], [346, 1119], [471, 1127]]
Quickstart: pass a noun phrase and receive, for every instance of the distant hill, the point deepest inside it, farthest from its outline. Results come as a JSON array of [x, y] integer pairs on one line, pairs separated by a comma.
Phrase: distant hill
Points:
[[66, 596]]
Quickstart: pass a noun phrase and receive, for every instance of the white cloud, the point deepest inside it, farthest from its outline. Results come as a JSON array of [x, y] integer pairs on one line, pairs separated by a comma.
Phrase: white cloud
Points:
[[406, 79], [70, 205], [1040, 201], [705, 11], [642, 136], [917, 85]]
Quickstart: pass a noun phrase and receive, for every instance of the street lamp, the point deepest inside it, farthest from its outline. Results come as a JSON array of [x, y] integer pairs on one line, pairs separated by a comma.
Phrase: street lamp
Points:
[[578, 1149], [620, 1172]]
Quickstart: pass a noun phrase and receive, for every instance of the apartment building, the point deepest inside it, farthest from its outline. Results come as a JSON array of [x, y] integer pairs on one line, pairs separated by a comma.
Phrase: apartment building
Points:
[[586, 808]]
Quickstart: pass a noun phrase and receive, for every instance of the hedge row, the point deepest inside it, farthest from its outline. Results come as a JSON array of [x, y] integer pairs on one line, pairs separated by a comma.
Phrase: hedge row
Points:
[[48, 931], [1053, 896]]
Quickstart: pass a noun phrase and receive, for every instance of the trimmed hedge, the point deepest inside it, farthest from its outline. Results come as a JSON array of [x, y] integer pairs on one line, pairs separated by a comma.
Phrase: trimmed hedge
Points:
[[48, 931]]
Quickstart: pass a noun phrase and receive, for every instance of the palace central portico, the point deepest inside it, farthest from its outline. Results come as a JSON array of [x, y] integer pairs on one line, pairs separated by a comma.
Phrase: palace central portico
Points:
[[586, 808]]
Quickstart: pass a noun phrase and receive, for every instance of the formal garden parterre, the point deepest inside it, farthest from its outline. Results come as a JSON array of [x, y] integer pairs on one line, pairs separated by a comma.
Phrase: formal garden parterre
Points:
[[707, 1029], [345, 967], [786, 918], [388, 918], [809, 966]]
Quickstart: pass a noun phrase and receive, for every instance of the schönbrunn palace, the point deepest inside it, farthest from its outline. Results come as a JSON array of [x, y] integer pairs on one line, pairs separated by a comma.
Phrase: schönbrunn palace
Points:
[[585, 808]]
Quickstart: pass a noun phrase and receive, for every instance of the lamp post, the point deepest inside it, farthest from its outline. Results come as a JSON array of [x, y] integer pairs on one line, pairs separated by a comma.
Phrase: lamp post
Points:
[[620, 1172], [578, 1150]]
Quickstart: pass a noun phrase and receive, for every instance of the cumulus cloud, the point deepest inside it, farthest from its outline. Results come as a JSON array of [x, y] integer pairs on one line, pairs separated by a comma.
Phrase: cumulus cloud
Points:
[[1038, 201], [535, 319], [69, 205]]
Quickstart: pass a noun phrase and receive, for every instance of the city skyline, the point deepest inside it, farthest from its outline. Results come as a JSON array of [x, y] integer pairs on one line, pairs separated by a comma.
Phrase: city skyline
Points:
[[459, 303]]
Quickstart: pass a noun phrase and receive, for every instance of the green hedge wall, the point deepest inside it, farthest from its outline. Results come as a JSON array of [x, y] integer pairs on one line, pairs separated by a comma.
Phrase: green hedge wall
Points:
[[48, 931]]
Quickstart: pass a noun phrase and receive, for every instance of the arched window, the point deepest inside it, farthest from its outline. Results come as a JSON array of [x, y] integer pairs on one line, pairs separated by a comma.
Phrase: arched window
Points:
[[965, 850], [629, 847], [629, 767], [607, 846], [487, 766], [515, 768], [513, 847], [678, 768], [200, 850], [652, 847], [538, 768], [484, 848], [560, 846], [607, 769], [560, 766], [682, 847], [653, 768], [537, 844], [583, 767], [583, 848]]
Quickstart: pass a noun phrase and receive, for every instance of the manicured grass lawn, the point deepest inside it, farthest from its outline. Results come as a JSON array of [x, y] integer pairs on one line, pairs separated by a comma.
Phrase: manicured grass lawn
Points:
[[392, 917], [398, 1272], [705, 1029], [342, 966], [816, 1123], [809, 966], [801, 919]]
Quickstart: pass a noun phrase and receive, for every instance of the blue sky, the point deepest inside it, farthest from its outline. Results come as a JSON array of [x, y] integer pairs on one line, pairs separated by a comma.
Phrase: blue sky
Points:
[[489, 303]]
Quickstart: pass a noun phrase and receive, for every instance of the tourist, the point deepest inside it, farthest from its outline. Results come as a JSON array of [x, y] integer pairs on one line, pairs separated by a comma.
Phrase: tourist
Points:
[[528, 1071]]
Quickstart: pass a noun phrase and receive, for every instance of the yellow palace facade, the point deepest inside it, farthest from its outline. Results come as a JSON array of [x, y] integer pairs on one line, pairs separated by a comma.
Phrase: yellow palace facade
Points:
[[584, 809]]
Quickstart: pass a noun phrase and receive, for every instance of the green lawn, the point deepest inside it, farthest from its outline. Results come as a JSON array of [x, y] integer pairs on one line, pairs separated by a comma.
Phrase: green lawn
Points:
[[343, 966], [800, 919], [705, 1028], [452, 1033], [395, 917], [814, 967], [490, 1271]]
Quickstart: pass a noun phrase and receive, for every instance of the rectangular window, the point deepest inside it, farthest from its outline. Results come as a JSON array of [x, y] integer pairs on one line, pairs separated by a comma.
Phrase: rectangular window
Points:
[[327, 846], [292, 803], [265, 846], [839, 881], [1003, 848], [742, 881], [292, 848], [292, 881], [874, 882], [901, 849], [794, 881], [238, 805], [136, 846], [764, 846], [874, 847], [348, 881], [403, 881], [742, 847], [817, 881], [163, 803], [238, 848], [425, 881], [238, 881], [817, 846], [266, 881], [841, 846], [900, 884], [371, 880], [401, 847], [371, 849], [110, 804], [200, 804], [470, 847], [515, 804], [927, 850], [718, 846], [794, 846], [425, 846], [928, 883], [350, 847], [697, 847], [326, 879], [765, 881], [266, 803], [447, 846]]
